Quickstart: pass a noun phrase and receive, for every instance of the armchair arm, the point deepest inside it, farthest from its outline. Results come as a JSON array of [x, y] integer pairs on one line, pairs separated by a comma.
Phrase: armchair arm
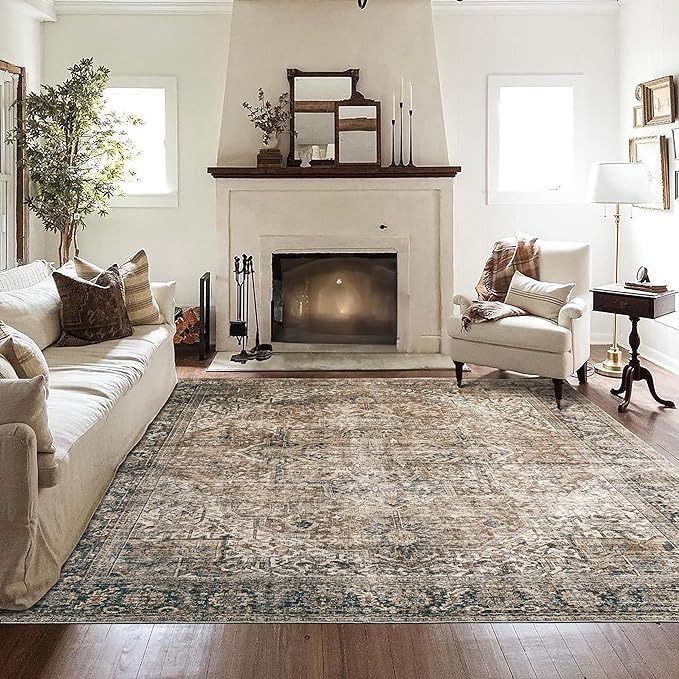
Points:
[[463, 301], [163, 293], [574, 309]]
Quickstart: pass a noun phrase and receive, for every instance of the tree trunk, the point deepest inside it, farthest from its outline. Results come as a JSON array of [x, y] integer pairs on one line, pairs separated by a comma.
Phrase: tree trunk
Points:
[[66, 241]]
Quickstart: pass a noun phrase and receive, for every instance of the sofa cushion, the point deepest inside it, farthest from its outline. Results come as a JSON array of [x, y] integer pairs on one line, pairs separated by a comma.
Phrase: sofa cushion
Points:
[[24, 276], [92, 311], [23, 402], [33, 311], [521, 332], [86, 382]]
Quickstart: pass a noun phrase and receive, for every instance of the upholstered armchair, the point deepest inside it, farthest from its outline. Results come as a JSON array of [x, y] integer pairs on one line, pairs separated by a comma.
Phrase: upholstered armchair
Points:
[[529, 344]]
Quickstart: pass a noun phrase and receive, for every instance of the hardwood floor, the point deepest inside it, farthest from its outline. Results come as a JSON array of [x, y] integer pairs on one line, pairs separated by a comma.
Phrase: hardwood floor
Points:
[[304, 651]]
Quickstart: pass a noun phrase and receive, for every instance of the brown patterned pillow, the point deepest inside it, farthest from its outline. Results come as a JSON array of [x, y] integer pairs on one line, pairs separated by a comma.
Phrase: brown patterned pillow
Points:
[[141, 307], [92, 311]]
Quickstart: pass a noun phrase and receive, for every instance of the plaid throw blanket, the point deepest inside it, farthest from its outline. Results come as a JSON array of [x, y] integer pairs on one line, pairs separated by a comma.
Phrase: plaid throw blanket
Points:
[[507, 257]]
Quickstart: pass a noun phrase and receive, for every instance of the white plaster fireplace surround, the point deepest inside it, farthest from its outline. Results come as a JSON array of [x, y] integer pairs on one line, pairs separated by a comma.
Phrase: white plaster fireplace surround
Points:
[[266, 216], [296, 214]]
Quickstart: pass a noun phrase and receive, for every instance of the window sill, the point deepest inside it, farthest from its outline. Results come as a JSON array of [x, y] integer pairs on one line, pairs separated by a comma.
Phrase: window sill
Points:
[[145, 200]]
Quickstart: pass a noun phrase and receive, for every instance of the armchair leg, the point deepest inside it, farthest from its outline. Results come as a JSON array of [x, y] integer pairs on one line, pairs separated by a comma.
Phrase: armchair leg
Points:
[[582, 373], [558, 392], [458, 372]]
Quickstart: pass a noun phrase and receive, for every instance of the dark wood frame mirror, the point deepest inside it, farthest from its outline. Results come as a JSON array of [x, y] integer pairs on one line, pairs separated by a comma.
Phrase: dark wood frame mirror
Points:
[[357, 100], [308, 106]]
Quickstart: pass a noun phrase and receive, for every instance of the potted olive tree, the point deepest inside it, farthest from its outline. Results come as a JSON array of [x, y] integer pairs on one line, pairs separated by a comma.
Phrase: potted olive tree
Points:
[[75, 150]]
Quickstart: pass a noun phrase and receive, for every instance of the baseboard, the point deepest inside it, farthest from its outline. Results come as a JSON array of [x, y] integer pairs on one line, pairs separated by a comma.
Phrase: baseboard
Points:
[[600, 338], [669, 363]]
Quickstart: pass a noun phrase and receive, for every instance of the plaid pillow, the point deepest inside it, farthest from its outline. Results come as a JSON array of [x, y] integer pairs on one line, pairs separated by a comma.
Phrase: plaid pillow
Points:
[[141, 307]]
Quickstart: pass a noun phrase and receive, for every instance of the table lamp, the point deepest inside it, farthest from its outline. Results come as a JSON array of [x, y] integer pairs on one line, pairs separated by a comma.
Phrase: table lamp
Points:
[[618, 184]]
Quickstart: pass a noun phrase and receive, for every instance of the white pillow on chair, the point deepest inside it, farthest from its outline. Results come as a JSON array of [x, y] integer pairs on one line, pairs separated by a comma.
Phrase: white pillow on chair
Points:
[[538, 298]]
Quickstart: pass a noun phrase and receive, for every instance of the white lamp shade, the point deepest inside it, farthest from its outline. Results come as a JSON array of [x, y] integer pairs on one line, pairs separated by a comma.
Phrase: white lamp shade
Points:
[[625, 183]]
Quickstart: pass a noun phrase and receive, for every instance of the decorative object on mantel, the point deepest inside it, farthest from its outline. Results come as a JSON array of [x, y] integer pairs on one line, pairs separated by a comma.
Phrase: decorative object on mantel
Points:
[[617, 184], [652, 152], [305, 155], [73, 110], [312, 111], [357, 131], [659, 101], [636, 304], [271, 120], [410, 129]]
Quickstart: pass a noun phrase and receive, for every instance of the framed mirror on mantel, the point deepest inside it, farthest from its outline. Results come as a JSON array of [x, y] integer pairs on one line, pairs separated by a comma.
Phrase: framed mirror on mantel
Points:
[[313, 99], [357, 131]]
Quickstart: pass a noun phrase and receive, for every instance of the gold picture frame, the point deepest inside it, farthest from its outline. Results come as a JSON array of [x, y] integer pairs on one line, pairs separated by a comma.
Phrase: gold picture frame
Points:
[[638, 116], [653, 152], [659, 101]]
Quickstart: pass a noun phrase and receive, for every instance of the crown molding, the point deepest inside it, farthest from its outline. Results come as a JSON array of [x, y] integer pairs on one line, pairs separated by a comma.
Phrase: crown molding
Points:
[[143, 6], [525, 6], [43, 10], [226, 6]]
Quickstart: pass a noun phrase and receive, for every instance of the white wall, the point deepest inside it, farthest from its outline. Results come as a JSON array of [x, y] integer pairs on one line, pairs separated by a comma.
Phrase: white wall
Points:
[[181, 241], [388, 39], [472, 45], [21, 45], [649, 49]]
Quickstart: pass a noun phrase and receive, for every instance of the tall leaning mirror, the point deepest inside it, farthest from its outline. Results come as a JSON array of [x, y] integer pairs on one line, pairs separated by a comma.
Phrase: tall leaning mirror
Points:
[[313, 96]]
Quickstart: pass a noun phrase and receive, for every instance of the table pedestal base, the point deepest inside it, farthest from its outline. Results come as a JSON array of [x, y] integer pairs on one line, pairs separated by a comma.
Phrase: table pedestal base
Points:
[[635, 372]]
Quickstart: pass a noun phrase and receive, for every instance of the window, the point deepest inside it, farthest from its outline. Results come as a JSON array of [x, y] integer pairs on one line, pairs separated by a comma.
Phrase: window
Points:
[[154, 100], [12, 210], [532, 138]]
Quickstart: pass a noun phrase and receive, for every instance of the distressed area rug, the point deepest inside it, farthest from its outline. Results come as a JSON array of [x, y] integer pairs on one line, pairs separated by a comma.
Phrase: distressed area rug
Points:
[[401, 500]]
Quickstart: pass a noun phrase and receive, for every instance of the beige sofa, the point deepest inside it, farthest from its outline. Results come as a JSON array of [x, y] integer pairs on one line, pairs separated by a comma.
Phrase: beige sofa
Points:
[[102, 398]]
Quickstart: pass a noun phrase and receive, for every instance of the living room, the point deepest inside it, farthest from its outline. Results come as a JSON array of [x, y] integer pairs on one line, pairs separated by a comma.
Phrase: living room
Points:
[[338, 338]]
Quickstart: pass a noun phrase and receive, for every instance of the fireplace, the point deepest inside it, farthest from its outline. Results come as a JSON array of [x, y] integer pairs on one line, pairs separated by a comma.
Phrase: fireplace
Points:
[[334, 298]]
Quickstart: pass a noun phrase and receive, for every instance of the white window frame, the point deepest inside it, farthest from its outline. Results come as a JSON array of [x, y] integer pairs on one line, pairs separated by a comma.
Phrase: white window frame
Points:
[[169, 198], [495, 196]]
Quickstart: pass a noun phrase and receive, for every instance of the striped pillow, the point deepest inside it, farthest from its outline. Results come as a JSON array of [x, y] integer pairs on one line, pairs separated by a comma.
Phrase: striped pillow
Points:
[[141, 307], [23, 353], [538, 298]]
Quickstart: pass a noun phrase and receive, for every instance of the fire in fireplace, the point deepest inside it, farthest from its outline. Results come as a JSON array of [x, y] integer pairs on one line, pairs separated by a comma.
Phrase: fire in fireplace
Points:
[[334, 298]]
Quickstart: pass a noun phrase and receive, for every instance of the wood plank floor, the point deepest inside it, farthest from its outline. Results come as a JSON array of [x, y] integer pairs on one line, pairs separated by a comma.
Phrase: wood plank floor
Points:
[[428, 651]]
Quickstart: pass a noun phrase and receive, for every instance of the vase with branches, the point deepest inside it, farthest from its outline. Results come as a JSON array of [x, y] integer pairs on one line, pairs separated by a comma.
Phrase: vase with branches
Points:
[[270, 119], [76, 151]]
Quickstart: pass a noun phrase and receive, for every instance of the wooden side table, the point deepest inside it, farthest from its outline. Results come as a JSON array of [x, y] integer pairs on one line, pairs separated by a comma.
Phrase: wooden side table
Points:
[[637, 304]]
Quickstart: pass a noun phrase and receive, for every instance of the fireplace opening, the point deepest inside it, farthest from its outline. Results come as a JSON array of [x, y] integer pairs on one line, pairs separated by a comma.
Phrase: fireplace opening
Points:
[[328, 298]]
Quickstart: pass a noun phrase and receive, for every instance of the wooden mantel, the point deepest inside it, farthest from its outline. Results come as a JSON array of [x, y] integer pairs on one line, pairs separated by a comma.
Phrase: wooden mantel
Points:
[[333, 172]]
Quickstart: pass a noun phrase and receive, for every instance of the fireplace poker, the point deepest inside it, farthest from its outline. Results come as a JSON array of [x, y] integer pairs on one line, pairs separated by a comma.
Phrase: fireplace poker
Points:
[[239, 327], [260, 352]]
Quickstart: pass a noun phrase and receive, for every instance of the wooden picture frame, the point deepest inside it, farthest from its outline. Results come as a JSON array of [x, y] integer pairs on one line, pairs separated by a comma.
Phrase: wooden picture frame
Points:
[[659, 101], [638, 116], [359, 125], [21, 172], [653, 153]]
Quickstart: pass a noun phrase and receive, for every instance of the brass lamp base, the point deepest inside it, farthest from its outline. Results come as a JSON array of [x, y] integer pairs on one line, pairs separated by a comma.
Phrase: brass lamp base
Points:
[[613, 365]]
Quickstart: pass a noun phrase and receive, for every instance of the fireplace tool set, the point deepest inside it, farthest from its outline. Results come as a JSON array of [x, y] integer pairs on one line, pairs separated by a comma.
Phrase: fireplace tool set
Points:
[[244, 273]]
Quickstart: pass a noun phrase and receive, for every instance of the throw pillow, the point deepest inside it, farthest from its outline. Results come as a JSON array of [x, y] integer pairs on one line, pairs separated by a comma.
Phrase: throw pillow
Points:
[[538, 298], [141, 306], [25, 402], [92, 311], [6, 370], [33, 311], [25, 276], [23, 353]]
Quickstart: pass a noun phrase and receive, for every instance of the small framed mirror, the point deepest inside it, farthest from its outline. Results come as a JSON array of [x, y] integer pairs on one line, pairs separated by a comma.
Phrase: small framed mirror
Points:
[[357, 131], [313, 95]]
